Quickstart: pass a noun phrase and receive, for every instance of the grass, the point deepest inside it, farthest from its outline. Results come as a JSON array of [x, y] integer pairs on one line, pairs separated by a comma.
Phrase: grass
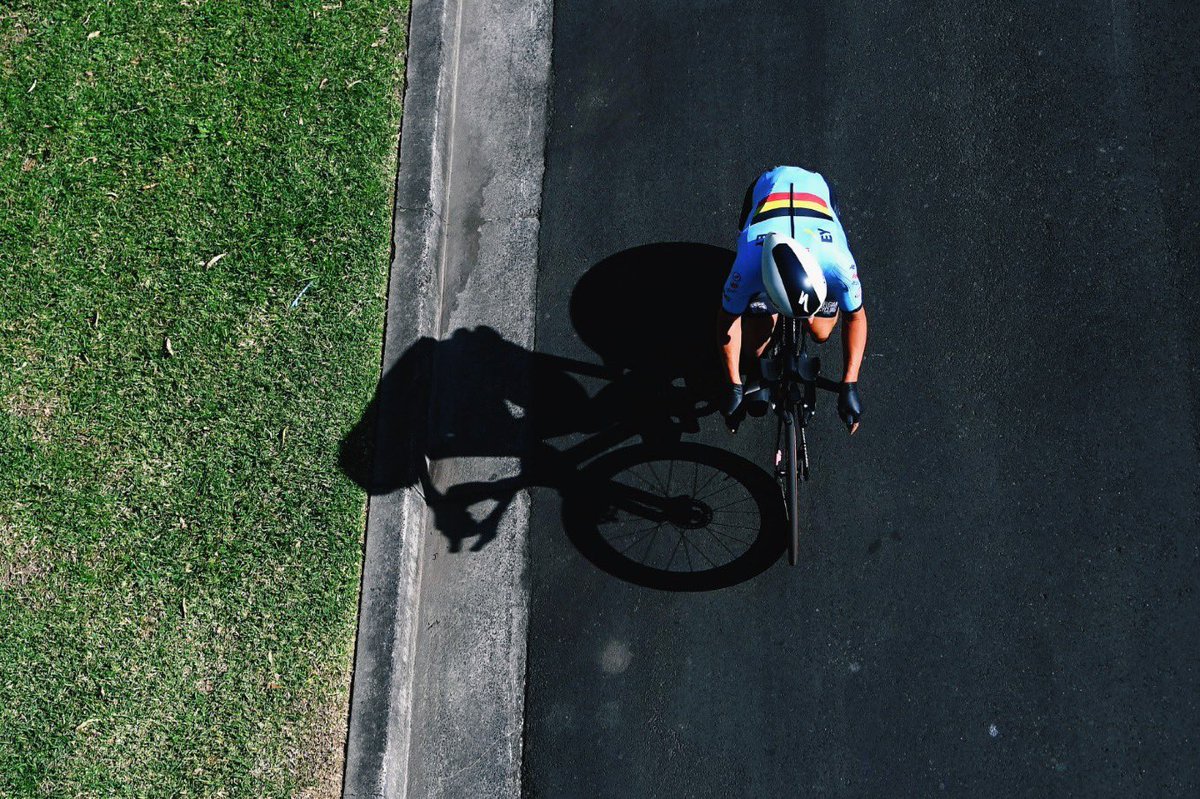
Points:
[[179, 556]]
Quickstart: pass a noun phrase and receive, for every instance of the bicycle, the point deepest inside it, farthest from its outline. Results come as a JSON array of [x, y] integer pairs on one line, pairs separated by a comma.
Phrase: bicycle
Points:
[[791, 376]]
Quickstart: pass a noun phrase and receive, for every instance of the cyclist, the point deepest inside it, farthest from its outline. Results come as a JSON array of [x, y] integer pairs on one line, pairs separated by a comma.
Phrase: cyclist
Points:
[[800, 206]]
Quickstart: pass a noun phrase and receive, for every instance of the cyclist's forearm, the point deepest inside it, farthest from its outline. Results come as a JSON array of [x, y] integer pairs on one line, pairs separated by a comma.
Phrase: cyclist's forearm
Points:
[[730, 327], [854, 344]]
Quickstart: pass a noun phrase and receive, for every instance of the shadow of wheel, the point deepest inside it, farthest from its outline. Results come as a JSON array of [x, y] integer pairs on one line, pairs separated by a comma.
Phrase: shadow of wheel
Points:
[[676, 517]]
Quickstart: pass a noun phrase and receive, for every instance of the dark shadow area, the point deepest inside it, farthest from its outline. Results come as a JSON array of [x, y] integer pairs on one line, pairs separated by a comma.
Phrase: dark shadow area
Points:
[[638, 501], [650, 309]]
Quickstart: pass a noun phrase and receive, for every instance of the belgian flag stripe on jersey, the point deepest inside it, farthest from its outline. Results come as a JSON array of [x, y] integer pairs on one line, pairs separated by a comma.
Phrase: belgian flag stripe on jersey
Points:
[[783, 203]]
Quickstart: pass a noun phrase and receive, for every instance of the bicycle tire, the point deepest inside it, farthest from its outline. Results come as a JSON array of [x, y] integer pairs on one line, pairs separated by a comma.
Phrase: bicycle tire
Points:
[[792, 487]]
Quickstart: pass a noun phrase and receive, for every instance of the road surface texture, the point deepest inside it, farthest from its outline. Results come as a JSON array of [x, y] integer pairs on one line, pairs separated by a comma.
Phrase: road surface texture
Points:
[[997, 588]]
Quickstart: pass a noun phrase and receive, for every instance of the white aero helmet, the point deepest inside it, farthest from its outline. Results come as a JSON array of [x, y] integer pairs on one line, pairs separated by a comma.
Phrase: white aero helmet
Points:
[[793, 279]]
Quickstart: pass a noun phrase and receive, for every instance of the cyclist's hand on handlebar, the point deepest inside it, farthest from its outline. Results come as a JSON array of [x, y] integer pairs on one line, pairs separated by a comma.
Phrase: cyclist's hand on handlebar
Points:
[[729, 401], [849, 406]]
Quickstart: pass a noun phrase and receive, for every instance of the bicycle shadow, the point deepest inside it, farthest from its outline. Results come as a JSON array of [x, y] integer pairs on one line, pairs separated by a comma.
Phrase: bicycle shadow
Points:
[[476, 395]]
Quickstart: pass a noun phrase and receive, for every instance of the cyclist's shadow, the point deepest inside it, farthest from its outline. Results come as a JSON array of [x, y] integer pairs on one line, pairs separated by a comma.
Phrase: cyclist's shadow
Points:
[[661, 512]]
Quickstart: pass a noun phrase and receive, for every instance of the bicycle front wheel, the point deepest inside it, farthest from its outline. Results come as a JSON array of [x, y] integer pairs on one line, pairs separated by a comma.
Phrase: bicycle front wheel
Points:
[[791, 486]]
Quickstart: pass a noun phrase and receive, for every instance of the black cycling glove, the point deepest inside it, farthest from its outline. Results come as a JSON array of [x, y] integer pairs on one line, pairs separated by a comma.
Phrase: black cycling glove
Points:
[[849, 405]]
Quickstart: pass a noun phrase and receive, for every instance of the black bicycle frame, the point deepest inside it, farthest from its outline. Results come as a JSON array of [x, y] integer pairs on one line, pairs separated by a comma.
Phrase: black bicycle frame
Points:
[[794, 376]]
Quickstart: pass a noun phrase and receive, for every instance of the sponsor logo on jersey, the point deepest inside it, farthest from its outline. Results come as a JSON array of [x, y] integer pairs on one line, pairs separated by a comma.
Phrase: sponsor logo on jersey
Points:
[[791, 204], [826, 236]]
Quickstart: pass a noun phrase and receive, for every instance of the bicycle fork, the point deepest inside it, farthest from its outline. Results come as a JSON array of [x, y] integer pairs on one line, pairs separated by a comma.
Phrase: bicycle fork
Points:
[[802, 454]]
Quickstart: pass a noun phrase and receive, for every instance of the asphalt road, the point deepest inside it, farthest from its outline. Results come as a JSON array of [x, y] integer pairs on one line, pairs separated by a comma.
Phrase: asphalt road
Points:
[[998, 586]]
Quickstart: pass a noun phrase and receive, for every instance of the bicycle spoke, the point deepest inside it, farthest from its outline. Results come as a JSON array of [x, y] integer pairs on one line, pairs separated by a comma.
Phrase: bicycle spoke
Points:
[[722, 544], [670, 473], [650, 543], [645, 482], [657, 479], [725, 535], [735, 526], [638, 541], [730, 536], [700, 552], [735, 502], [687, 552], [724, 486], [703, 486], [635, 532], [671, 560]]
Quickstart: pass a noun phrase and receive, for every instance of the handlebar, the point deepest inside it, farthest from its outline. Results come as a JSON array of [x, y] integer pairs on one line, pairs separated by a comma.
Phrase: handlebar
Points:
[[827, 384]]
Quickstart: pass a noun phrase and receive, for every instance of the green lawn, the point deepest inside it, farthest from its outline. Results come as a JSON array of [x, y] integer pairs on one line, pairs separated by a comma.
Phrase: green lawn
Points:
[[179, 555]]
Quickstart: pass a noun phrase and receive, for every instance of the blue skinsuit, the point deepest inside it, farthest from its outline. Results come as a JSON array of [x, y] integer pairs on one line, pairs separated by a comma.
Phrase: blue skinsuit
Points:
[[798, 203]]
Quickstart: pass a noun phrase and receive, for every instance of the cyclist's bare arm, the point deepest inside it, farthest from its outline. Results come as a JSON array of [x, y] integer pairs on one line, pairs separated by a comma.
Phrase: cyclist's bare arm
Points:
[[854, 344], [730, 329]]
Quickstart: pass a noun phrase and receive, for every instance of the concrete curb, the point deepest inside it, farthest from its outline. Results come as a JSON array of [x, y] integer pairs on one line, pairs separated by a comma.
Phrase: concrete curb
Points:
[[465, 236]]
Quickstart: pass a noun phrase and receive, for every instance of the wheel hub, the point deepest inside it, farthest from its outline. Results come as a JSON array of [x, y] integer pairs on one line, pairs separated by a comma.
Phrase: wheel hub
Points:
[[686, 513]]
